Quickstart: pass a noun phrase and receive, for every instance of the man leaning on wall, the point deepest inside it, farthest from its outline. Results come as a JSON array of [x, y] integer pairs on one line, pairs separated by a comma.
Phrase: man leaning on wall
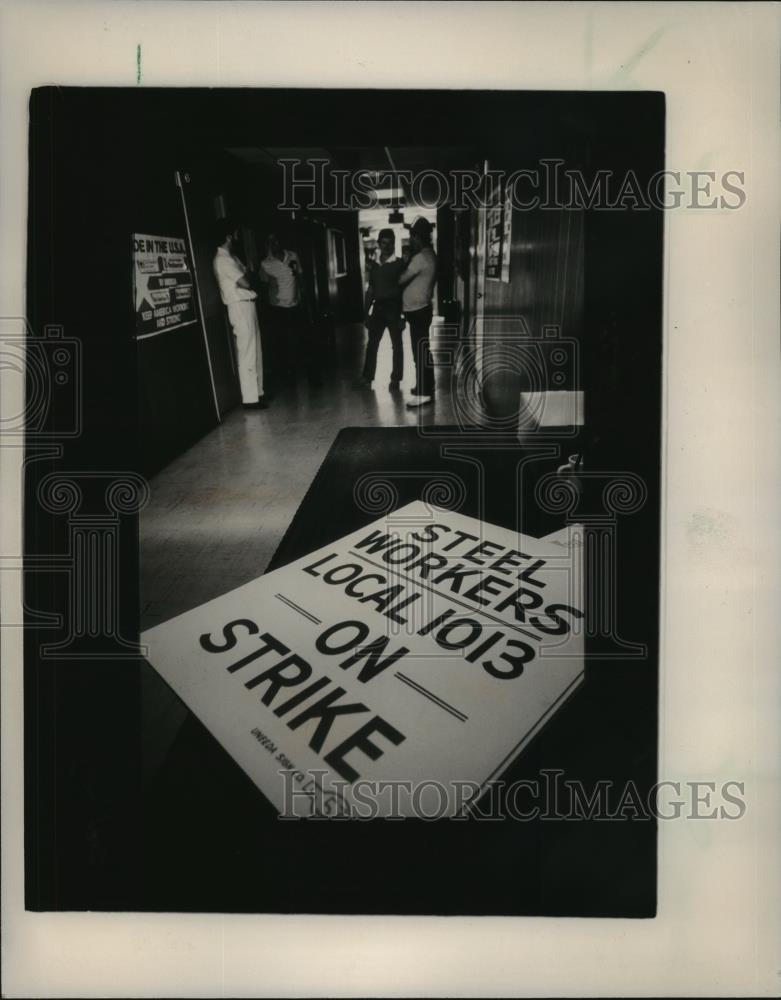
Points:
[[239, 299]]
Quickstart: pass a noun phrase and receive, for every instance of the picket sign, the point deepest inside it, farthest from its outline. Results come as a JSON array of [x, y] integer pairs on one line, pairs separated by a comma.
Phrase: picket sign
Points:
[[423, 652]]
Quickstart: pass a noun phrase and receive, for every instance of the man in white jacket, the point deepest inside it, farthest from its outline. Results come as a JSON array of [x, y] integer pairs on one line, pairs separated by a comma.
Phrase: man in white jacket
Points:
[[239, 299]]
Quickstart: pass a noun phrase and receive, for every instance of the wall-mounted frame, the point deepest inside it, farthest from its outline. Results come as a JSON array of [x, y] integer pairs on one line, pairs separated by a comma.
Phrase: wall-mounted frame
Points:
[[498, 235]]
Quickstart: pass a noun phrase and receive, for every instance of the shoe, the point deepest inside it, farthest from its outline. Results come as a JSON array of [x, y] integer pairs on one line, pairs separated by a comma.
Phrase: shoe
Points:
[[363, 383], [260, 405], [394, 384], [420, 401]]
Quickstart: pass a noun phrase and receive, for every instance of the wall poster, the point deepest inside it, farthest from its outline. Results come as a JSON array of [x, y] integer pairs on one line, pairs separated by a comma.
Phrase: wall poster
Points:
[[499, 223], [162, 284]]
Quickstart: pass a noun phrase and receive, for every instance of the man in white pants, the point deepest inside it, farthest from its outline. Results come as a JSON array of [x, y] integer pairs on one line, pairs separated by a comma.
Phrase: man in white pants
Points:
[[239, 299]]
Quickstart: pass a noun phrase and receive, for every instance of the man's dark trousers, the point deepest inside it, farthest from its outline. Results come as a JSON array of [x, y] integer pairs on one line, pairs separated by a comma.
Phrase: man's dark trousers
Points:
[[385, 315], [419, 324], [296, 344]]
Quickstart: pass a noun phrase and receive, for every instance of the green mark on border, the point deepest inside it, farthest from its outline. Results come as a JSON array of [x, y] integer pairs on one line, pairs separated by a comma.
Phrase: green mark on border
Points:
[[138, 63]]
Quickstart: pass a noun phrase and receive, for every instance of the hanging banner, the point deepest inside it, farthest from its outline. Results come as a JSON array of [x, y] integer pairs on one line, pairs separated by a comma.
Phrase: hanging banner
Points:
[[162, 284], [419, 654]]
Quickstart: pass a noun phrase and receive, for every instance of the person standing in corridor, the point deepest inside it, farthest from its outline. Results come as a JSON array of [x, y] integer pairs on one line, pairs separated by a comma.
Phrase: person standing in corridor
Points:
[[280, 271], [383, 310], [239, 299], [417, 283]]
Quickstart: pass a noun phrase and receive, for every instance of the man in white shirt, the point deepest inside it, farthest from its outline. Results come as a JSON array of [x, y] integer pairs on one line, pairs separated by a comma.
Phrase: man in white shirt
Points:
[[280, 271], [239, 300], [281, 268], [417, 284]]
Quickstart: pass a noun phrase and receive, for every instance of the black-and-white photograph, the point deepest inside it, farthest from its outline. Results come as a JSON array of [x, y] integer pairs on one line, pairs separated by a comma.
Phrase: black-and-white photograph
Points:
[[384, 372], [390, 397]]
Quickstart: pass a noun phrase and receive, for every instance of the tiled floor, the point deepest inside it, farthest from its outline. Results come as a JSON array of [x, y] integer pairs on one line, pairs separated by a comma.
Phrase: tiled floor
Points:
[[218, 512]]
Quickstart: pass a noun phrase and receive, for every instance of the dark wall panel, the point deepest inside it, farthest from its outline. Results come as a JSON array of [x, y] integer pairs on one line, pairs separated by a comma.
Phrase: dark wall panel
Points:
[[543, 301], [176, 405], [546, 272], [176, 401], [200, 196]]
